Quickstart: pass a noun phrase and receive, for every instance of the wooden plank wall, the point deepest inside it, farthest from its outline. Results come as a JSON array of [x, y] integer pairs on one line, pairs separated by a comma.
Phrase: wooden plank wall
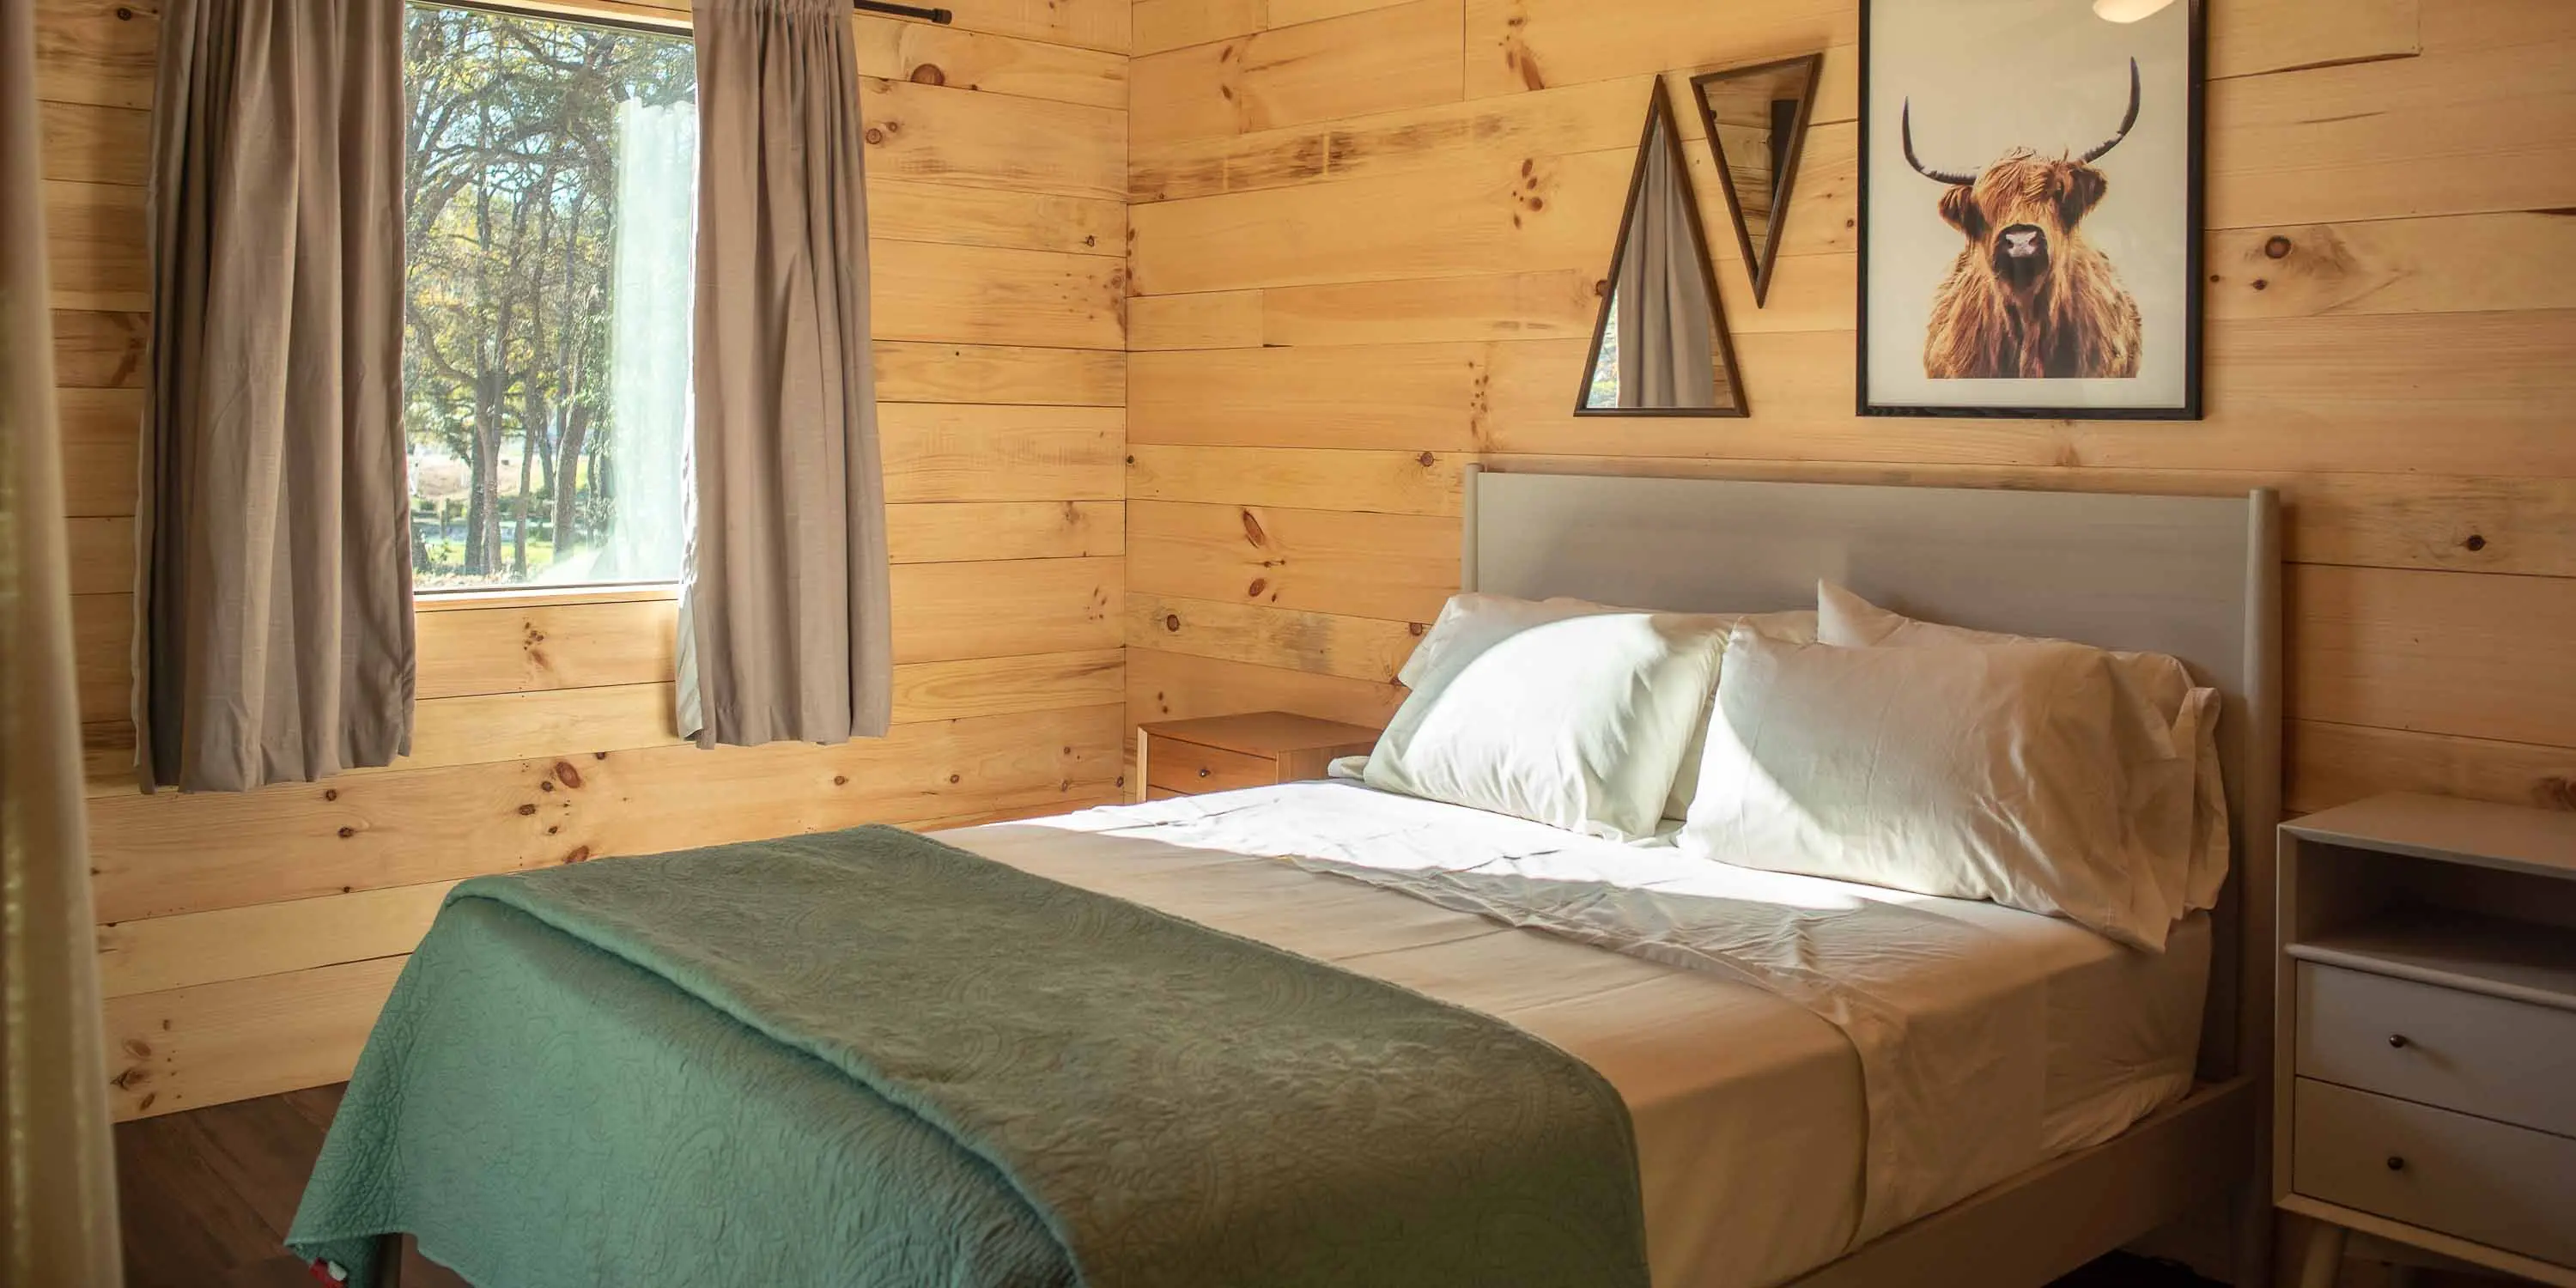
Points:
[[1368, 237], [251, 938]]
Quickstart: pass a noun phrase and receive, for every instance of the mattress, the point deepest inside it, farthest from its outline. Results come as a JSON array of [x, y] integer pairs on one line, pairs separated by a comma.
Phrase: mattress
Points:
[[1750, 1107]]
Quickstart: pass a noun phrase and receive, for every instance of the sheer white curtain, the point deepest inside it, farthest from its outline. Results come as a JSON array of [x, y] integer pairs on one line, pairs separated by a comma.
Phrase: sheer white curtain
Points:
[[657, 231]]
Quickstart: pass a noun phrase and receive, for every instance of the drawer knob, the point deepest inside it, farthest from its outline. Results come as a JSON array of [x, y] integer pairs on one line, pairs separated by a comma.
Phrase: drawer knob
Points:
[[2396, 1163], [2398, 1040], [1203, 772]]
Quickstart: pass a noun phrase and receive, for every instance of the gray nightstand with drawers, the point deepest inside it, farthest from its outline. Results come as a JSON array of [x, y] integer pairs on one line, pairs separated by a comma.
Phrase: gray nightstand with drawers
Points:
[[2425, 1075]]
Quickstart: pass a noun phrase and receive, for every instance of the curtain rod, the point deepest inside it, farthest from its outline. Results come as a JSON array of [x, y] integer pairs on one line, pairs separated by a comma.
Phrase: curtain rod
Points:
[[940, 16]]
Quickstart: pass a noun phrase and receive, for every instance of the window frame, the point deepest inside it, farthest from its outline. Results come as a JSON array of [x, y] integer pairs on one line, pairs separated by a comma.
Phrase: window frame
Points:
[[650, 20]]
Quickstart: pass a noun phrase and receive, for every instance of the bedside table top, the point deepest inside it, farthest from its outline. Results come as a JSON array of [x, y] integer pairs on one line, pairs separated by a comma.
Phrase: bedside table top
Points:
[[2447, 829], [1262, 733]]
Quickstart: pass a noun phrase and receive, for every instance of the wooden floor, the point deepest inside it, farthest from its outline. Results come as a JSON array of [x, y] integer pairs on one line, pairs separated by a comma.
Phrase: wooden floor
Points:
[[208, 1195]]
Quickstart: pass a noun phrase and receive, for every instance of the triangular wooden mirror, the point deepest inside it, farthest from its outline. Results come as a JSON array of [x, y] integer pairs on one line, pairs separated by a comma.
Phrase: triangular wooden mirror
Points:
[[1660, 347], [1757, 122]]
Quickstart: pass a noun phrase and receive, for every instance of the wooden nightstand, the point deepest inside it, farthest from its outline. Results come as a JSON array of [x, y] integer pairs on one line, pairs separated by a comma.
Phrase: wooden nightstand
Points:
[[2424, 1077], [1220, 753]]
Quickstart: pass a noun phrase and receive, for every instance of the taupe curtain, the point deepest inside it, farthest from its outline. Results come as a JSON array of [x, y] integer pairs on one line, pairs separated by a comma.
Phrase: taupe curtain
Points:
[[57, 1183], [783, 618], [1667, 332], [273, 614]]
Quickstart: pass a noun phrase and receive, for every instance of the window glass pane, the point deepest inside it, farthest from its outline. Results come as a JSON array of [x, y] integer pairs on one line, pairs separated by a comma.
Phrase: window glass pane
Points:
[[552, 206], [1604, 390]]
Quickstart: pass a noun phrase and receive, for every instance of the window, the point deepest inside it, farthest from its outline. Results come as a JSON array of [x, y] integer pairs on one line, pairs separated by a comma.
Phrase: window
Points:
[[1604, 389], [551, 210]]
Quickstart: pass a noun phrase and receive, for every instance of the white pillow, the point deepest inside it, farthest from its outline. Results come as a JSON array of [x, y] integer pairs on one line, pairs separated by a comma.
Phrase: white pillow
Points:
[[1849, 621], [1993, 772], [1474, 622], [1562, 712], [1797, 626], [2169, 713]]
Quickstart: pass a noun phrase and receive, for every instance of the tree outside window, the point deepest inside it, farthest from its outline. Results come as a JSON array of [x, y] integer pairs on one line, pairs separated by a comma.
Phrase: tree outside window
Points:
[[551, 211]]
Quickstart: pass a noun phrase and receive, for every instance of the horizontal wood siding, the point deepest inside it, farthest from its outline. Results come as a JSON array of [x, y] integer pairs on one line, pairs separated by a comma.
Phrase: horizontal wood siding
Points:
[[251, 938], [1347, 289]]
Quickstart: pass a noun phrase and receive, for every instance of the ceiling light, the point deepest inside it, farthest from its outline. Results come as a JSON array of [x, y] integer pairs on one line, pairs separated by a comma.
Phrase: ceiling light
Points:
[[2128, 10]]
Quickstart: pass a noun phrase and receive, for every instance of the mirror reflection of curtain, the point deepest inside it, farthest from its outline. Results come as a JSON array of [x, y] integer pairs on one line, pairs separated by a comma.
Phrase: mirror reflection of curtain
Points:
[[57, 1176], [1667, 341]]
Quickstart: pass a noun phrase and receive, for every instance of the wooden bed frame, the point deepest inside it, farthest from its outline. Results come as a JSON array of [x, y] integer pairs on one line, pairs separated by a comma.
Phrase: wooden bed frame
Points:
[[2196, 577]]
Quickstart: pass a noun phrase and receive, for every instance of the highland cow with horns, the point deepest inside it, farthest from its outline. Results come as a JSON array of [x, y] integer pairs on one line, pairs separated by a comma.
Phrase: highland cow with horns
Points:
[[2029, 297]]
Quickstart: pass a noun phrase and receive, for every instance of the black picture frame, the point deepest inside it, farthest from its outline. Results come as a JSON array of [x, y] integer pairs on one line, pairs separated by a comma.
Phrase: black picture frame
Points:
[[2196, 145], [1659, 114]]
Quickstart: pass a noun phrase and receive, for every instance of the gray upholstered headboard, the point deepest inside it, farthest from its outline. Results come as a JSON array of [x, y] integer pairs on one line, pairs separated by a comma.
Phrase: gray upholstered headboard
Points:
[[2196, 577]]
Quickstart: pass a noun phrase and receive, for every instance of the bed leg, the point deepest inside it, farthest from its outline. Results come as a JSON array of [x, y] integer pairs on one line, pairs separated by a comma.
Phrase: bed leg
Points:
[[389, 1261]]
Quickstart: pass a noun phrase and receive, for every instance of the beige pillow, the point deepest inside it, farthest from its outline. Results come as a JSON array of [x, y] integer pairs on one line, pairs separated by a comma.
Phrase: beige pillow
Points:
[[2185, 797], [1993, 772]]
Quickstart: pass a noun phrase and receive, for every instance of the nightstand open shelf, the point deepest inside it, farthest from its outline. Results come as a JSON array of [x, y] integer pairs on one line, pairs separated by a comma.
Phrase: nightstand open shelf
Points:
[[2469, 951]]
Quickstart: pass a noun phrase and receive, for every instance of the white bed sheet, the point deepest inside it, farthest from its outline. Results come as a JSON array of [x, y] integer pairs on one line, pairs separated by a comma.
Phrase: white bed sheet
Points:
[[2031, 1036]]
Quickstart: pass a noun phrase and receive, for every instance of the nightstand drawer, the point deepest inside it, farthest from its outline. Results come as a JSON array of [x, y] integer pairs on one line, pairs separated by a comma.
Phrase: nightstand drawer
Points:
[[2490, 1056], [2507, 1187], [1190, 767]]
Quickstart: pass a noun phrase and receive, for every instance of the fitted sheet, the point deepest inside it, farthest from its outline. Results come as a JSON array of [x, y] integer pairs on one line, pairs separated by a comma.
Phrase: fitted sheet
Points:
[[2032, 1036]]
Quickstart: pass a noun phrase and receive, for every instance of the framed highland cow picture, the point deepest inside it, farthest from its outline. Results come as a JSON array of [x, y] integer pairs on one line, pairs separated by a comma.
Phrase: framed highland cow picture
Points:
[[2030, 208]]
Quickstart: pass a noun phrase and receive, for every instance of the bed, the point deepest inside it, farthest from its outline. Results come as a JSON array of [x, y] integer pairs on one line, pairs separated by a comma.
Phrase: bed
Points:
[[2086, 1093]]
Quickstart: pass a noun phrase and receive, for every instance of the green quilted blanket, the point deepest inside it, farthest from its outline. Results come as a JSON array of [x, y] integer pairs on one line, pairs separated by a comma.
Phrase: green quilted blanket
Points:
[[867, 1058]]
